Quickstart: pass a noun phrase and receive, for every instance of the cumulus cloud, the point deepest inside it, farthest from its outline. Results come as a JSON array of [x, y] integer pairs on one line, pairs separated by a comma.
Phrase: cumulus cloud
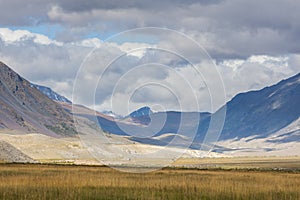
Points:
[[252, 44], [136, 74], [13, 37], [255, 72]]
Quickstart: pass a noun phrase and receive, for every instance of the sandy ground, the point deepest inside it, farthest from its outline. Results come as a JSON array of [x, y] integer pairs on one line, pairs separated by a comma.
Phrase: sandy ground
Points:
[[110, 149], [73, 150], [49, 149]]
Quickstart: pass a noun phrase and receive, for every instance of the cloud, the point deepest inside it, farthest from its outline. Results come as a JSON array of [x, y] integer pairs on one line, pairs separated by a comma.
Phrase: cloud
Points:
[[227, 29], [20, 13], [253, 44], [42, 60], [294, 62], [80, 6], [132, 79], [10, 36], [255, 73]]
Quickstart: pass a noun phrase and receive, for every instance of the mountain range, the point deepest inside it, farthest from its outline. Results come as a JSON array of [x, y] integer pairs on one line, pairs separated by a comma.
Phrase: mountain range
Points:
[[256, 114], [266, 119]]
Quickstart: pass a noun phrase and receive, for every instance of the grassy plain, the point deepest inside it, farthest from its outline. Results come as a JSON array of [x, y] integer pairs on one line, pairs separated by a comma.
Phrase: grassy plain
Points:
[[261, 163], [25, 181]]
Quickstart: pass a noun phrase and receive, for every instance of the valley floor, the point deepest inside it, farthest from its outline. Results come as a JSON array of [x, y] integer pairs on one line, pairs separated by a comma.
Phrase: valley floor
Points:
[[262, 163], [19, 147], [34, 181], [190, 177]]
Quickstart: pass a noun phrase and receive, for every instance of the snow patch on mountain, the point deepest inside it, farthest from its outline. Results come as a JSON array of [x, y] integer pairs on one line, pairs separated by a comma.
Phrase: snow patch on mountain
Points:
[[50, 93], [276, 105], [112, 114]]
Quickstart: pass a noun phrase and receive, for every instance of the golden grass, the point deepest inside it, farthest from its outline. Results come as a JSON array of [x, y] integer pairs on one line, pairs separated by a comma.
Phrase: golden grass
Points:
[[292, 162], [83, 182]]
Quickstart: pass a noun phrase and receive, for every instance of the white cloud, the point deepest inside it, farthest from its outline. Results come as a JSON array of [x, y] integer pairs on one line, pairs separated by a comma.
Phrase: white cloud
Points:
[[294, 62], [11, 36], [46, 62], [135, 49], [255, 72], [90, 42]]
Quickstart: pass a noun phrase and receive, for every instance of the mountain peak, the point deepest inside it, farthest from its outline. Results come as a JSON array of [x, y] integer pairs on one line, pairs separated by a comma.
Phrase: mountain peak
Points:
[[144, 111]]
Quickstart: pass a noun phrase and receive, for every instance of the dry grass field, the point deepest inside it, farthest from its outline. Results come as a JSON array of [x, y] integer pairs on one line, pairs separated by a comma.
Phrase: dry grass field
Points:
[[19, 181], [266, 163]]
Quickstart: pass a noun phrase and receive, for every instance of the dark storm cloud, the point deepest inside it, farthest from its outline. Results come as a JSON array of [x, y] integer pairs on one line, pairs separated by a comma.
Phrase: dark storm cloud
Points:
[[31, 12], [227, 29], [79, 5], [23, 13]]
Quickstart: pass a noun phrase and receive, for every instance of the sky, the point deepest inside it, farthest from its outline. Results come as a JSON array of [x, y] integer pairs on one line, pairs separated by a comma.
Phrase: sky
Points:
[[196, 56]]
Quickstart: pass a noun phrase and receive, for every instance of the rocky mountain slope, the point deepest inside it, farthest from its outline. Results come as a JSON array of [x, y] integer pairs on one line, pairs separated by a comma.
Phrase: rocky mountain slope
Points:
[[25, 108], [51, 94], [9, 153], [263, 112]]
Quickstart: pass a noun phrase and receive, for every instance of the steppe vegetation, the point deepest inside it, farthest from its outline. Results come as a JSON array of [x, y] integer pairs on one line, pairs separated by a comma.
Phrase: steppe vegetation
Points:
[[25, 181]]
